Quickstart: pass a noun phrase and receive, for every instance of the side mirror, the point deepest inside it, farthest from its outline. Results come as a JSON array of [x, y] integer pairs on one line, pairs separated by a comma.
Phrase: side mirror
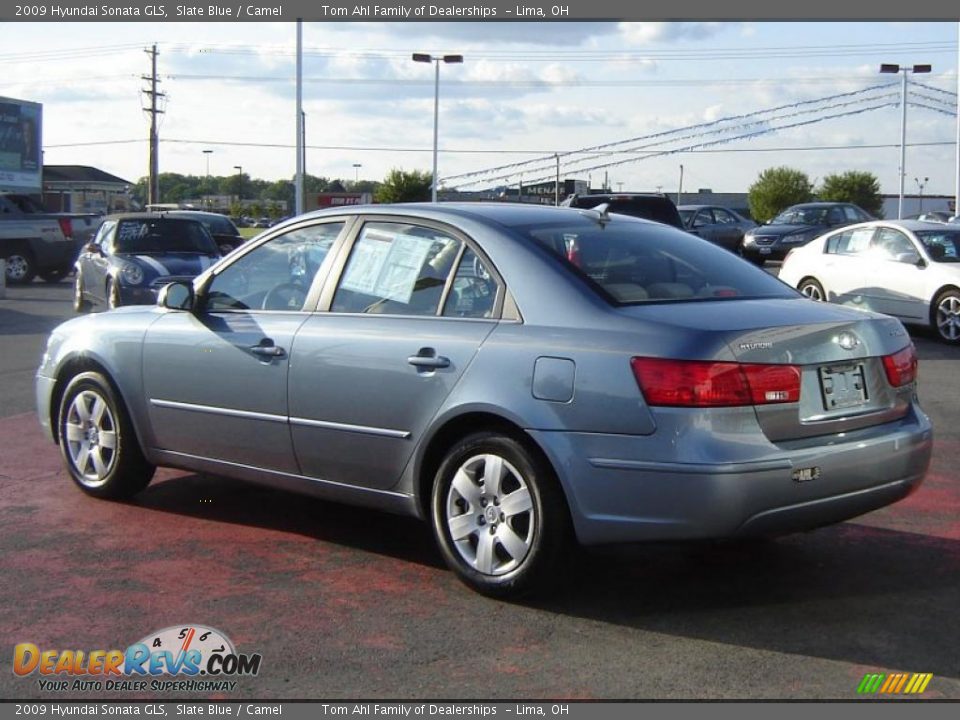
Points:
[[92, 247], [911, 257], [176, 296]]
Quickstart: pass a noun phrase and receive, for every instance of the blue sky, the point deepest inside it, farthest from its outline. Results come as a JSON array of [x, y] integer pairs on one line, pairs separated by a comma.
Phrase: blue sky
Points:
[[525, 90]]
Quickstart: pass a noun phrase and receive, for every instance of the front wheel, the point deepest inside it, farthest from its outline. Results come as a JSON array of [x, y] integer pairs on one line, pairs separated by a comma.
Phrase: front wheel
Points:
[[812, 289], [499, 516], [945, 316], [21, 267], [97, 440]]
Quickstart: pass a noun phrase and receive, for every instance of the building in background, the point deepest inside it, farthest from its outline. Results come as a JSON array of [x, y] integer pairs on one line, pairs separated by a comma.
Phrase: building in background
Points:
[[80, 188]]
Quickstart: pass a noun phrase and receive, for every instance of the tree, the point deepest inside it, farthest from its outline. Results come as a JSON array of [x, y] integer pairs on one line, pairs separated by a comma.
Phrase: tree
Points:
[[853, 186], [778, 188], [401, 186]]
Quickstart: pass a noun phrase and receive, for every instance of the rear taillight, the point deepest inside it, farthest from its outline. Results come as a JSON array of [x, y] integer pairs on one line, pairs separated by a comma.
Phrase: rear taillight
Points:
[[901, 367], [695, 383], [66, 227]]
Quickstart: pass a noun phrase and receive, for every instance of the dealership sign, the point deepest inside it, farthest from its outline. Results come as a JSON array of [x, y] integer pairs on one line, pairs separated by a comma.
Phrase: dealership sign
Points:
[[21, 155]]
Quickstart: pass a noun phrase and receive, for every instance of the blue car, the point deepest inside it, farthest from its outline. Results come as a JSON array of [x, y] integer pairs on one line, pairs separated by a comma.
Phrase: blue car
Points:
[[520, 377], [135, 254]]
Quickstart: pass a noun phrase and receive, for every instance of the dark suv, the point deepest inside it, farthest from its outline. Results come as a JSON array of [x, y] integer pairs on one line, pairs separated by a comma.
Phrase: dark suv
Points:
[[649, 206]]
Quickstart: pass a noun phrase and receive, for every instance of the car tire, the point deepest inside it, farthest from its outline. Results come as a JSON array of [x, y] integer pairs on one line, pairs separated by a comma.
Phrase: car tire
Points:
[[55, 275], [945, 316], [113, 295], [21, 267], [80, 304], [812, 289], [499, 516], [97, 440]]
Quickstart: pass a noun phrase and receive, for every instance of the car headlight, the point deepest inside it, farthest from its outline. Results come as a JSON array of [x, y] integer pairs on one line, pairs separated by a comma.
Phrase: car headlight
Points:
[[131, 274]]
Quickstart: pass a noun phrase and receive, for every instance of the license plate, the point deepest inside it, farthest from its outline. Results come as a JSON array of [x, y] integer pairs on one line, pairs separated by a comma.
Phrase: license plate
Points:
[[843, 386], [764, 251]]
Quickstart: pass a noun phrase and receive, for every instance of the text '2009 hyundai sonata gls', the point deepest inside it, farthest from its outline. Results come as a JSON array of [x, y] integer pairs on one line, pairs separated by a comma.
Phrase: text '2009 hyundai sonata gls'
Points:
[[521, 377]]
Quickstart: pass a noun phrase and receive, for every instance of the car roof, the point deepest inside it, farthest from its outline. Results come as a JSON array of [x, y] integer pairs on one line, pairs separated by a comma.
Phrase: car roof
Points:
[[821, 204], [195, 213], [147, 215], [911, 225], [506, 214]]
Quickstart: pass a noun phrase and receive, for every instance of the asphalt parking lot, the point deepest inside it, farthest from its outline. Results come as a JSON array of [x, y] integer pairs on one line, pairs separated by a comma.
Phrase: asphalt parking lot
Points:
[[347, 603]]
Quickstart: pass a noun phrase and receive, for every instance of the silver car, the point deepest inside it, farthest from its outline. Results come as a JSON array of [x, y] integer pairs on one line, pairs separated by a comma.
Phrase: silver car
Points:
[[521, 377]]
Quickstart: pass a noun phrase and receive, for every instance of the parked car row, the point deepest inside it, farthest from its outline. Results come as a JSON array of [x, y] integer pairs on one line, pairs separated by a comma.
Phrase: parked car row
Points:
[[521, 377]]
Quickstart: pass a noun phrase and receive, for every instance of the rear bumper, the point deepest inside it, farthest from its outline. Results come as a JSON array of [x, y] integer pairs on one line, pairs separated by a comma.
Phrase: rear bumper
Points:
[[617, 494]]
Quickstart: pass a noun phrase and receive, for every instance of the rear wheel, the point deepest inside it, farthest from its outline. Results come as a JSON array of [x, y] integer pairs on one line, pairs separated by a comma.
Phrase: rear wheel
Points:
[[21, 267], [97, 440], [499, 516], [812, 289], [945, 316]]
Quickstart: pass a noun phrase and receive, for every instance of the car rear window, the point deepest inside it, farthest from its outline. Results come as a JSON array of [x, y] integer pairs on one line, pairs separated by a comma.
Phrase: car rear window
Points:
[[632, 263], [943, 245], [654, 208], [163, 236]]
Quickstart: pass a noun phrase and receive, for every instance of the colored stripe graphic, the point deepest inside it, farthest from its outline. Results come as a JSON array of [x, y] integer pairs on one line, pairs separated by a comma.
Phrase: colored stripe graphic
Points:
[[894, 684]]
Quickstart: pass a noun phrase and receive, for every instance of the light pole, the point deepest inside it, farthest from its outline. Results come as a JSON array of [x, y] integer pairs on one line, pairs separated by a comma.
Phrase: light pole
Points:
[[239, 169], [207, 154], [356, 172], [436, 60], [921, 185], [893, 69]]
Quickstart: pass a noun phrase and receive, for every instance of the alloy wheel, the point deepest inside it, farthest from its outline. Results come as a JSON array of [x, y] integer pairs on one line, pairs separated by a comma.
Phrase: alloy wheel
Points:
[[90, 433]]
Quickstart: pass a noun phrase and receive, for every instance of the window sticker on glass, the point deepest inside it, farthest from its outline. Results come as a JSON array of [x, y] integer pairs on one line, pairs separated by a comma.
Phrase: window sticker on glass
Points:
[[387, 265]]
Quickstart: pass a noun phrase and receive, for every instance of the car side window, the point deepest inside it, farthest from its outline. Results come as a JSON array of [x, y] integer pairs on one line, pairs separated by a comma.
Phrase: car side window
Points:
[[276, 275], [850, 242], [704, 217], [474, 291], [396, 269], [854, 215], [722, 217], [889, 243], [103, 232], [835, 216]]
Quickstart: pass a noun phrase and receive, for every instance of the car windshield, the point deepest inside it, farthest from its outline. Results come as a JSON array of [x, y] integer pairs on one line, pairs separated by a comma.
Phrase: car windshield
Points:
[[631, 263], [166, 235], [943, 245], [802, 216]]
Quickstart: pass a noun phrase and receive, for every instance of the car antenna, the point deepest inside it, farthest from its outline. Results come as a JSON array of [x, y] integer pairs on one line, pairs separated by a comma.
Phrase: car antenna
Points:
[[601, 213]]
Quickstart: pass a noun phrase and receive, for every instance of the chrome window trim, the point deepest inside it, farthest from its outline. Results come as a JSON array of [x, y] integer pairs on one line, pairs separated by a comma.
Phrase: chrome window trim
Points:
[[269, 417]]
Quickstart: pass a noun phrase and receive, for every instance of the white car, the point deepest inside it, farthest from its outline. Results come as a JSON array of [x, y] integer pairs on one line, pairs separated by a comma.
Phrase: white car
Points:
[[905, 268]]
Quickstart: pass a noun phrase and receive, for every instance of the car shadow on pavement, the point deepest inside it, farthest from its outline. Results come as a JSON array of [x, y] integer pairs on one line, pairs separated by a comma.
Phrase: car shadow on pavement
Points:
[[853, 593]]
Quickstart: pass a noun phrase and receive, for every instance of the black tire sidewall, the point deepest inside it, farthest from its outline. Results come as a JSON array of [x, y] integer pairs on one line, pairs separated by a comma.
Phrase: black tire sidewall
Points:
[[130, 472], [551, 531]]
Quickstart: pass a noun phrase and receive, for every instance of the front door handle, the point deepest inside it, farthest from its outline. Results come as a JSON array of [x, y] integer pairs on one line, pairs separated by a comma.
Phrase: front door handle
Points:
[[427, 358], [268, 349]]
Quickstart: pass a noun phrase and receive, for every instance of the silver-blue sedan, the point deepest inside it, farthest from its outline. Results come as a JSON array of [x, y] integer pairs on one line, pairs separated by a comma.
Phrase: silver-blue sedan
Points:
[[520, 377]]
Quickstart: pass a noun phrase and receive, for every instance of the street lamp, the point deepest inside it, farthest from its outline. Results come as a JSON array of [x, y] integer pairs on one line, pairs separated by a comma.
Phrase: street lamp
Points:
[[356, 172], [889, 68], [206, 203], [239, 169], [436, 60], [921, 185]]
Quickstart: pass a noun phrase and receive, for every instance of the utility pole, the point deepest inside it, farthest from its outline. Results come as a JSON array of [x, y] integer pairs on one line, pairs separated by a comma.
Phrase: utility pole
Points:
[[153, 182]]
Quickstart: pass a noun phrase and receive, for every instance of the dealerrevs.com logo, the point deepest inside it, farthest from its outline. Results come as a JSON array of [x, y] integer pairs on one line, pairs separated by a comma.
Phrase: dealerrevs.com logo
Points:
[[184, 658]]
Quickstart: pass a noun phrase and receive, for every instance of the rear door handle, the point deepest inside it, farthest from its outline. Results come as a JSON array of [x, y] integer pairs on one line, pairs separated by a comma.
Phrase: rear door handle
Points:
[[267, 349], [428, 358]]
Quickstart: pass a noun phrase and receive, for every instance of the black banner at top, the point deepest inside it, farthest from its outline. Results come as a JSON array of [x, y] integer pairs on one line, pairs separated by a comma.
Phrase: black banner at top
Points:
[[479, 10]]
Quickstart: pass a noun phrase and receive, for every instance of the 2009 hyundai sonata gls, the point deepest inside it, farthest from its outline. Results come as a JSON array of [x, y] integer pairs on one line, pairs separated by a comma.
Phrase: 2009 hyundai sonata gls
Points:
[[522, 377]]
